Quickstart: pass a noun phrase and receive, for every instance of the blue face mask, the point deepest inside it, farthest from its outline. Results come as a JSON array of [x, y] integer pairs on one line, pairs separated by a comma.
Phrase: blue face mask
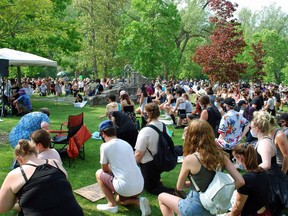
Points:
[[215, 104]]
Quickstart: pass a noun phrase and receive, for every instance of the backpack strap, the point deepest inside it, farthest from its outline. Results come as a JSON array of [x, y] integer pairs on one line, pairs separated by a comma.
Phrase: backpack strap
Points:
[[274, 135], [157, 130]]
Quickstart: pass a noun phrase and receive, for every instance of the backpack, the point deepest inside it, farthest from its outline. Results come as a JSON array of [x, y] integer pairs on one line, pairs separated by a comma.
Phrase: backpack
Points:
[[215, 118], [217, 197], [166, 158]]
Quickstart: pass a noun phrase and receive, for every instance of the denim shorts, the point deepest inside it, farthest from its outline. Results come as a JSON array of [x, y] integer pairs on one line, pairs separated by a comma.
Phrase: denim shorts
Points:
[[192, 206]]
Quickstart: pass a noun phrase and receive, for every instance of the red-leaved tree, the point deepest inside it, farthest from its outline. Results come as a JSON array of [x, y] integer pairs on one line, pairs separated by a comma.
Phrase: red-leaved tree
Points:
[[227, 41]]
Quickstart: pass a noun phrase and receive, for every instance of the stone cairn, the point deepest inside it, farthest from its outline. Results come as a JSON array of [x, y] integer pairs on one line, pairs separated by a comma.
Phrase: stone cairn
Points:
[[130, 83]]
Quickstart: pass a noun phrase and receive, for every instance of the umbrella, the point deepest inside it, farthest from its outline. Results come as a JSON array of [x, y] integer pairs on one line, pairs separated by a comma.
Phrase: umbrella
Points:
[[61, 74]]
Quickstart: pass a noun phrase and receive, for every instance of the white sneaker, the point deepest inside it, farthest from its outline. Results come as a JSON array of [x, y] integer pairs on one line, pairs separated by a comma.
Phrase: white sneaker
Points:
[[105, 207], [144, 206]]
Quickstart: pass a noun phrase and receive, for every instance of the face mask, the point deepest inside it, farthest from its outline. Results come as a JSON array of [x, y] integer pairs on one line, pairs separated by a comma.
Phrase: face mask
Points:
[[253, 134], [145, 116], [215, 104], [224, 109], [202, 107], [102, 138]]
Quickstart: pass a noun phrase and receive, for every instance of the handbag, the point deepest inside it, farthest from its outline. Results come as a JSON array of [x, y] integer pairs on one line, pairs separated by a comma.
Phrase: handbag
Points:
[[217, 197]]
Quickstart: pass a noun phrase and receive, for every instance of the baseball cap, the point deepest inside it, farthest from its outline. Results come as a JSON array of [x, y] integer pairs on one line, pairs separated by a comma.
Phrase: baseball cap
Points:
[[122, 92], [283, 116], [21, 91], [105, 124], [230, 102], [241, 102]]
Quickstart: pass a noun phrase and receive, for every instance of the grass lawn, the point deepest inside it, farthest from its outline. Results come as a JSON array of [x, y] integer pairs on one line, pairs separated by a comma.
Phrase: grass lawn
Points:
[[82, 172]]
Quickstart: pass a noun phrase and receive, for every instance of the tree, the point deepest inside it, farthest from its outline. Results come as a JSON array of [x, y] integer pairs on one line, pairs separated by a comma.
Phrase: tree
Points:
[[271, 18], [99, 22], [218, 59], [276, 54], [38, 28], [148, 42]]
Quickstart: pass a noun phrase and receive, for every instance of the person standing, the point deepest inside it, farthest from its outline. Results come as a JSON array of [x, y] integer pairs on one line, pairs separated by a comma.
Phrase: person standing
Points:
[[119, 173]]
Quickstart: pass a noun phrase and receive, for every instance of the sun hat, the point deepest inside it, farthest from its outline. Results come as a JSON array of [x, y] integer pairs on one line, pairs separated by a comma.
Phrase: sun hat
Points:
[[21, 91], [105, 124]]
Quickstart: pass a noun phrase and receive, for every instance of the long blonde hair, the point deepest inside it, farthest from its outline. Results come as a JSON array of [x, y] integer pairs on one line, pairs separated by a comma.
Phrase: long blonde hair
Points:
[[200, 138]]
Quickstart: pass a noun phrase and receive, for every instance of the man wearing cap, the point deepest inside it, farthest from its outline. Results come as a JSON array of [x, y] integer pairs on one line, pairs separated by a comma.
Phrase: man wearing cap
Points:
[[231, 127], [119, 173], [23, 103]]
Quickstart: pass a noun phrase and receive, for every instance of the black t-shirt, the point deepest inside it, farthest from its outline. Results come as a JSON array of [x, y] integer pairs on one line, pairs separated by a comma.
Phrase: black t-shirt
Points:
[[257, 102], [257, 188]]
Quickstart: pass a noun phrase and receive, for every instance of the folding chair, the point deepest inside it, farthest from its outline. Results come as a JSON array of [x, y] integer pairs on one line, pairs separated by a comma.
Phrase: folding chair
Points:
[[71, 140]]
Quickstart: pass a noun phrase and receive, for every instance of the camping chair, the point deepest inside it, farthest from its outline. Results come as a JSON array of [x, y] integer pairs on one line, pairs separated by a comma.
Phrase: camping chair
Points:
[[71, 140]]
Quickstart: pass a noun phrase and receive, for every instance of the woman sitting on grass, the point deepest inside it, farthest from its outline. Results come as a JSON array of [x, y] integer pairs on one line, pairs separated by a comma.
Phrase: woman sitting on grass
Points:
[[41, 186], [252, 198], [201, 158]]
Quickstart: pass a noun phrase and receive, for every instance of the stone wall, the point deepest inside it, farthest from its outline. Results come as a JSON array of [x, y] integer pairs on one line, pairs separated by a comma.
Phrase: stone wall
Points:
[[131, 86]]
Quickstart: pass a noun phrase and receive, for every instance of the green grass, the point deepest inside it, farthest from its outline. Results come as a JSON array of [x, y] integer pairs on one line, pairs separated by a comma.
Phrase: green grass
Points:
[[82, 172]]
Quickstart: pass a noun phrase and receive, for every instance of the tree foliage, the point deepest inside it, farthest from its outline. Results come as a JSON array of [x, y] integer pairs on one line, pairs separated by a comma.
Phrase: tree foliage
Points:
[[218, 58], [148, 42]]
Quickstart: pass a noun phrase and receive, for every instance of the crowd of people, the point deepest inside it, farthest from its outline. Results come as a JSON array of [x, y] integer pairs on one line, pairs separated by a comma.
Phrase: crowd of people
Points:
[[234, 126]]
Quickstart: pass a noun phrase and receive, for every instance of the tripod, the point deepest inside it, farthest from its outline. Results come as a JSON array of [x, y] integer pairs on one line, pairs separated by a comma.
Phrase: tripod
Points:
[[2, 100]]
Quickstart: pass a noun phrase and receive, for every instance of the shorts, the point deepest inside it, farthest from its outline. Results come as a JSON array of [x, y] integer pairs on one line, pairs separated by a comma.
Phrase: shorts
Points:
[[191, 205], [107, 179]]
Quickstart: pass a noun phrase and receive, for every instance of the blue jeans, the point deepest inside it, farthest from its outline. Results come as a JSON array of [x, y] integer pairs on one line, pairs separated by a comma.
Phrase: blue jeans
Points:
[[192, 206]]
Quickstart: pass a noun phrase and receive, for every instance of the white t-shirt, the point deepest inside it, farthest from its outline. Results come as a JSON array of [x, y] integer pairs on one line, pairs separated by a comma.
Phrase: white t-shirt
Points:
[[49, 154], [128, 179], [148, 138]]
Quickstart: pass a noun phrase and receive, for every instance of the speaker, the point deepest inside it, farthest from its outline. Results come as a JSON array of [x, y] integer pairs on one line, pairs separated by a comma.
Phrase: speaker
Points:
[[4, 64]]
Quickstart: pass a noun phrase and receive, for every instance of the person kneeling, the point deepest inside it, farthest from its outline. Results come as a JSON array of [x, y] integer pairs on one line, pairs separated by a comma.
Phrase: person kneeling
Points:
[[119, 172]]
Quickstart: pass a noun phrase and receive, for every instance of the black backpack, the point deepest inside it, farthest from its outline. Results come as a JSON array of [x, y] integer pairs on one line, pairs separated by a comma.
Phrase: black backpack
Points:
[[166, 158], [215, 118]]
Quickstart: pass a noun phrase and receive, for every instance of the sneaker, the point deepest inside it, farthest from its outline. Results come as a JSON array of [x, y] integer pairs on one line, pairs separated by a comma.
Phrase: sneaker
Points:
[[144, 206], [105, 207]]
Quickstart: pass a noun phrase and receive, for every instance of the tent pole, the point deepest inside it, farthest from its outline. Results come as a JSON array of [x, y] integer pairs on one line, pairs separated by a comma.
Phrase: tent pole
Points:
[[19, 76]]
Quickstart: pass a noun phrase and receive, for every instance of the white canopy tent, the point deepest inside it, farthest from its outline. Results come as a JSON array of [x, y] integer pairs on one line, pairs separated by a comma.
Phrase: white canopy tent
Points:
[[19, 58]]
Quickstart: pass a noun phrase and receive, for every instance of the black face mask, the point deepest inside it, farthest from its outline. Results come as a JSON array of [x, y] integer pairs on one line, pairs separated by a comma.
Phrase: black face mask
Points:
[[224, 109], [145, 116], [102, 138]]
